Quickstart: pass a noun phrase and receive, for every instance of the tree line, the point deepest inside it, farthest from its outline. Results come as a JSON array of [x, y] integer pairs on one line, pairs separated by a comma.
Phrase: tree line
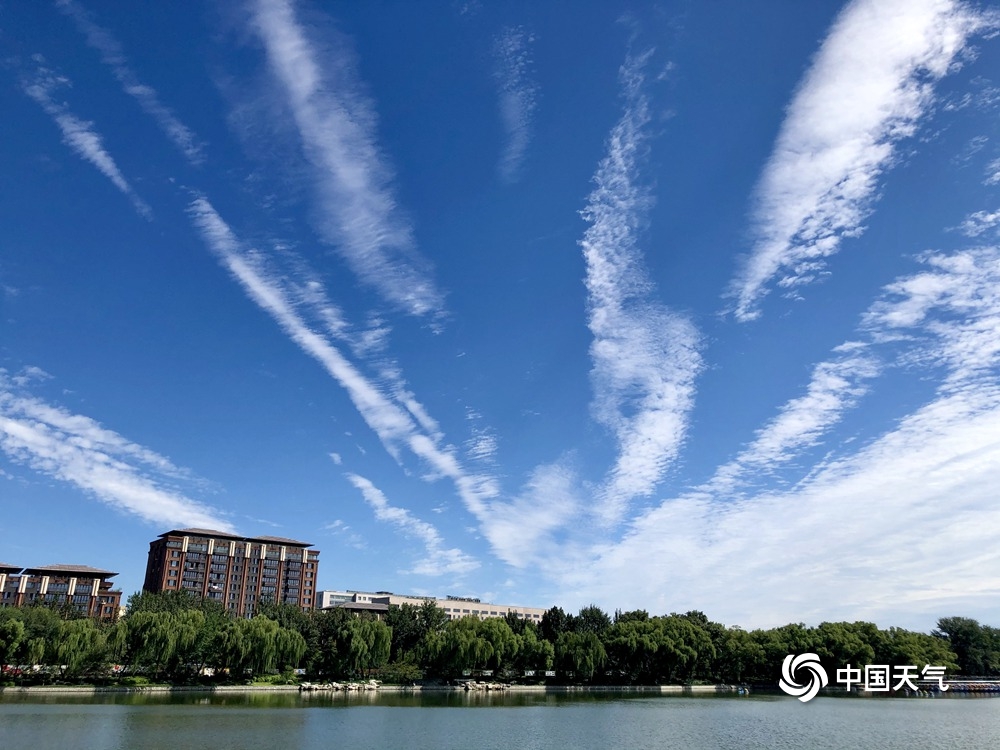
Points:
[[177, 638]]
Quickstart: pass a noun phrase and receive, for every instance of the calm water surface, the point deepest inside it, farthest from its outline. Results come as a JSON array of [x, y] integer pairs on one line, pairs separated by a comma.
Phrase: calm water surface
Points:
[[460, 720]]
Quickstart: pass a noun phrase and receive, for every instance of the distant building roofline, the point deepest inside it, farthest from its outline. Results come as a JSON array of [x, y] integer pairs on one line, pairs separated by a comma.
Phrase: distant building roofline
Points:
[[201, 532], [215, 534], [367, 606], [282, 540], [64, 568]]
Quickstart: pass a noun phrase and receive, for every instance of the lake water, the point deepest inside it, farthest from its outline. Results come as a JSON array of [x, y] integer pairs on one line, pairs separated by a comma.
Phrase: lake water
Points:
[[462, 720]]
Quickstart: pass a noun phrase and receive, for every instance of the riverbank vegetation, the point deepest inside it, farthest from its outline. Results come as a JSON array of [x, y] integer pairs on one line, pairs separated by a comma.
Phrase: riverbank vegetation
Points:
[[178, 639]]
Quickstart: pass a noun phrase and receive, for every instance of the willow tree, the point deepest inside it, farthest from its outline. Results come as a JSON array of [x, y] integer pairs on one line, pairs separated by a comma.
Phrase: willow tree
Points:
[[580, 653], [363, 645], [11, 635], [81, 647]]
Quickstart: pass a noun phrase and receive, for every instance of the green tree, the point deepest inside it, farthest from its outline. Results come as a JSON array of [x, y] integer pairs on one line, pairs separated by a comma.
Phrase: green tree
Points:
[[686, 644], [632, 645], [841, 643], [503, 643], [592, 619], [42, 628], [580, 653], [407, 630], [81, 647], [432, 617], [461, 646], [738, 655], [159, 639], [976, 646], [533, 652], [904, 647], [554, 623], [362, 645], [11, 635]]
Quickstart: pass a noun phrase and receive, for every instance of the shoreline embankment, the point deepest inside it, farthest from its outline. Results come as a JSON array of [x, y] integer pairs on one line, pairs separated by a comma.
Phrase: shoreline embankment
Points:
[[403, 689]]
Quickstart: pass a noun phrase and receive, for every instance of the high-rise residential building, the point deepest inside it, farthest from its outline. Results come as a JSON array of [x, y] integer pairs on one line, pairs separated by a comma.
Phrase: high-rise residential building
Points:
[[81, 587], [237, 571]]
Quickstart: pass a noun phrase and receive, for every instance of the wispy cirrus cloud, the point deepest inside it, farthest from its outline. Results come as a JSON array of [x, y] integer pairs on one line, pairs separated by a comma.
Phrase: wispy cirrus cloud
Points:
[[439, 560], [536, 527], [955, 306], [392, 412], [518, 96], [952, 287], [868, 88], [835, 387], [993, 173], [358, 212], [78, 134], [645, 356], [904, 502], [76, 449], [980, 222], [112, 55]]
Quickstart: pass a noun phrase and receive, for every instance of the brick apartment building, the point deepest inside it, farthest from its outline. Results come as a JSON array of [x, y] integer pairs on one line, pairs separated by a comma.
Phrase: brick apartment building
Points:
[[237, 571], [86, 589]]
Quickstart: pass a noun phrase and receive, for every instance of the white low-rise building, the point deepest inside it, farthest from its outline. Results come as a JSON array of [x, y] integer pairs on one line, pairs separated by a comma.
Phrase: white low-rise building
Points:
[[455, 607]]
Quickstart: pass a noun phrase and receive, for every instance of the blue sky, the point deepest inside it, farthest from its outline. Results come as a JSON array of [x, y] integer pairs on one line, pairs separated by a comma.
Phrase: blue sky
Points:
[[672, 306]]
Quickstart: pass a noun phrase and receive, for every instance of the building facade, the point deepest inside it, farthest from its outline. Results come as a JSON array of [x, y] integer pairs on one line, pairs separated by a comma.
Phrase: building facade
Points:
[[454, 606], [80, 587], [239, 572]]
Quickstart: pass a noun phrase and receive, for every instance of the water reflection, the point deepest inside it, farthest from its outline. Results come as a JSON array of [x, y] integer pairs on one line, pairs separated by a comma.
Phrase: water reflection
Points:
[[141, 721]]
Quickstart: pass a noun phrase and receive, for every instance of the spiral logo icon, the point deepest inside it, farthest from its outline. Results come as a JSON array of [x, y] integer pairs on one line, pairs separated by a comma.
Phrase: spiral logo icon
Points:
[[805, 663]]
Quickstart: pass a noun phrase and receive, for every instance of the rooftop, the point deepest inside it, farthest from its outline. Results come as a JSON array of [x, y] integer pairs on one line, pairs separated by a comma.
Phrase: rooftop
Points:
[[202, 532], [65, 568], [235, 537], [366, 606], [282, 540]]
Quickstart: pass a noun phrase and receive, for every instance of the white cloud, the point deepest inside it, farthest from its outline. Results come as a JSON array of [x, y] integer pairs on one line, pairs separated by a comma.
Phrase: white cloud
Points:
[[111, 54], [518, 96], [438, 560], [76, 449], [957, 304], [870, 84], [336, 125], [952, 288], [79, 134], [29, 374], [902, 524], [980, 222], [645, 357], [532, 528], [836, 386], [993, 173], [482, 446], [905, 525], [399, 421]]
